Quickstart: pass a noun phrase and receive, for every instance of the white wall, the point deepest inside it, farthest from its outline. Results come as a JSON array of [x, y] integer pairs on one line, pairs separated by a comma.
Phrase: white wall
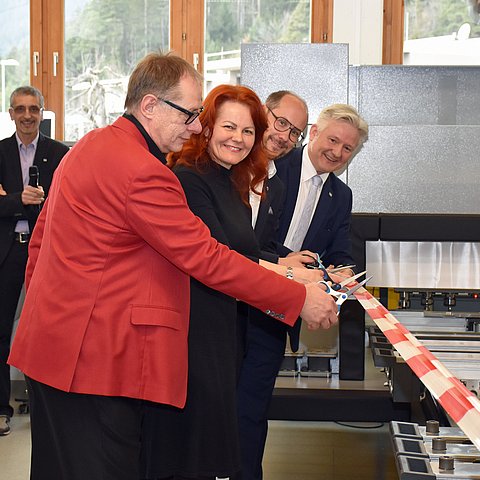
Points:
[[7, 126], [360, 24]]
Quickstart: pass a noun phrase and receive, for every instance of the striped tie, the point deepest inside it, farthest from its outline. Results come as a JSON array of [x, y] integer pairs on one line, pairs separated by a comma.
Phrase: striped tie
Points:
[[304, 223]]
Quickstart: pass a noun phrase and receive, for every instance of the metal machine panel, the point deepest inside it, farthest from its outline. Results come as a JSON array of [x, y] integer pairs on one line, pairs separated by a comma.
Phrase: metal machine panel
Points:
[[317, 72], [417, 169], [424, 265], [353, 84], [414, 95]]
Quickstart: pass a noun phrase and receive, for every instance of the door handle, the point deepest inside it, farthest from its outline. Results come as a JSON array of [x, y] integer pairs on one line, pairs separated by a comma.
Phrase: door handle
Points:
[[36, 61], [55, 63]]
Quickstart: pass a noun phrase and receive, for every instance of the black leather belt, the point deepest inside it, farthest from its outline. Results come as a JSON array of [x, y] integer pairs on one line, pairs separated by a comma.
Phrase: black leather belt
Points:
[[22, 237]]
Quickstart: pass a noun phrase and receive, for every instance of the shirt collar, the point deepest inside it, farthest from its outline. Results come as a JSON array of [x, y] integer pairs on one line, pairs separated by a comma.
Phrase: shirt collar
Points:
[[272, 169], [34, 142], [308, 170], [152, 146]]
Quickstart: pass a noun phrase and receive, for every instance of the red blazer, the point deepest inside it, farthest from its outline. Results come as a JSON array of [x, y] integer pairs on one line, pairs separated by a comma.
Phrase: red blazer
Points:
[[107, 304]]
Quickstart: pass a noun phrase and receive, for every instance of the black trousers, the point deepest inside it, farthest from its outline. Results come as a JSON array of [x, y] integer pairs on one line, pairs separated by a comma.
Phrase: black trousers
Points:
[[12, 274], [264, 353], [83, 437]]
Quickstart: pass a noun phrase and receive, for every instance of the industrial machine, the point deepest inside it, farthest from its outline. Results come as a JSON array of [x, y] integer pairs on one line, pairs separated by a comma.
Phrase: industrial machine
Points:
[[432, 452]]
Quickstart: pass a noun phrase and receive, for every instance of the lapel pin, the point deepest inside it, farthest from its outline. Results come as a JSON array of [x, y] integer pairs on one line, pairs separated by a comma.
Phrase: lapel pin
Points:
[[330, 194], [44, 160]]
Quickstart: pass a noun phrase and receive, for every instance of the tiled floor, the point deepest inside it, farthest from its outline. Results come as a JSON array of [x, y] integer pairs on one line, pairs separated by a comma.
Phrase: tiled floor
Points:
[[15, 450], [294, 451], [328, 451]]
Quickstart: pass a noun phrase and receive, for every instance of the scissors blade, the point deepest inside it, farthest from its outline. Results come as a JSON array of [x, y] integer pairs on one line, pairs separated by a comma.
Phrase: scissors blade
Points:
[[351, 279], [352, 290], [345, 295], [343, 267]]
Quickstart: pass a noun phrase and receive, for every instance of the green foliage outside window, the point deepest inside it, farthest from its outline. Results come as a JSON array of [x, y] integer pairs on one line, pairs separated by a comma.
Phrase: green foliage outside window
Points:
[[230, 23], [433, 18]]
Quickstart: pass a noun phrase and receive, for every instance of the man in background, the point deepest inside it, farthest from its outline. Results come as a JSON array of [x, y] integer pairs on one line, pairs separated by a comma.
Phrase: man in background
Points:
[[287, 115], [20, 205]]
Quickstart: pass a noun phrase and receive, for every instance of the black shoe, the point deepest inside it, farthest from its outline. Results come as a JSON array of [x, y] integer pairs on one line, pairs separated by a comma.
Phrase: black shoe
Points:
[[4, 425]]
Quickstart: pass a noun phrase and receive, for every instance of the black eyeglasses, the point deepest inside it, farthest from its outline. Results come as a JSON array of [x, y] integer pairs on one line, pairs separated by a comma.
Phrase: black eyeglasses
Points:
[[191, 114], [282, 125], [21, 109]]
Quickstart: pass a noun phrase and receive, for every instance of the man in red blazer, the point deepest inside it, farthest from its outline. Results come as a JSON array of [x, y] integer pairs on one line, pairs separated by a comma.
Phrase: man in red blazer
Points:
[[105, 320]]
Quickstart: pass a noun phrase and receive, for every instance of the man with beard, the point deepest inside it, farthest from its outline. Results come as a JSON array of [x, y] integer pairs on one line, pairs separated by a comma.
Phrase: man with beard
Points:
[[287, 115], [318, 222], [261, 342]]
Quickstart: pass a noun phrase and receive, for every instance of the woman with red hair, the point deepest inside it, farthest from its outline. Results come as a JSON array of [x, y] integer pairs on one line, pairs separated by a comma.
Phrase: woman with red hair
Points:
[[250, 164], [217, 169]]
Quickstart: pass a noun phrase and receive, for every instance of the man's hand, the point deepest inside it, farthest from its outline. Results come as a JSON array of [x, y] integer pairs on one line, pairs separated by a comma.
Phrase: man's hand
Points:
[[2, 191], [32, 195], [319, 309], [341, 274]]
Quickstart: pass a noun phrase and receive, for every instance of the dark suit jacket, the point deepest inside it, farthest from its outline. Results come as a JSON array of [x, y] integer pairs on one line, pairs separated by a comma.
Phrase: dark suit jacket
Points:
[[47, 157], [329, 230], [268, 218]]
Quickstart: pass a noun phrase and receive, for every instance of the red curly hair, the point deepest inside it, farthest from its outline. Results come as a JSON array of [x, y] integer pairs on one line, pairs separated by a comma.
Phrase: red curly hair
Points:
[[253, 169]]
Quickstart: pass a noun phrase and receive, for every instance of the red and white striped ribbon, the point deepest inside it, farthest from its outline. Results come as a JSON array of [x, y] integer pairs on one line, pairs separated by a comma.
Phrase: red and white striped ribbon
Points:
[[461, 404]]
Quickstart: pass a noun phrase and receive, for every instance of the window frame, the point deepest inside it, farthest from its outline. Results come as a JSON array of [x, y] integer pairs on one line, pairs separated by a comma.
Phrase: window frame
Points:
[[187, 25]]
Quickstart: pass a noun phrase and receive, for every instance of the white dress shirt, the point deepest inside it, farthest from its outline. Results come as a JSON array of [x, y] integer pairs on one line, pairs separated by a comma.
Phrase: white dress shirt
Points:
[[308, 171], [27, 155], [254, 199]]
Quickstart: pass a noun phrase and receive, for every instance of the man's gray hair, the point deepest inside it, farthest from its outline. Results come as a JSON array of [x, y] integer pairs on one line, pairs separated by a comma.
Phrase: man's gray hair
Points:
[[27, 90], [158, 74], [344, 113]]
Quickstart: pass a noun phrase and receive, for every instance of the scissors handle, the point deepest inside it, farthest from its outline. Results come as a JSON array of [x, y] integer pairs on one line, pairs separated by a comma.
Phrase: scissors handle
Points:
[[342, 296], [328, 288]]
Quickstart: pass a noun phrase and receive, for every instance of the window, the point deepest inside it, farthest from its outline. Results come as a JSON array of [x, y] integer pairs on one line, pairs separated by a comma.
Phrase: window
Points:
[[442, 32], [14, 47], [79, 53], [103, 42], [228, 23]]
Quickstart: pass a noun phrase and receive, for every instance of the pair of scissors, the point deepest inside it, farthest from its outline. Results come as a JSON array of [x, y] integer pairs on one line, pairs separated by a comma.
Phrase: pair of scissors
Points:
[[318, 265], [341, 295]]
